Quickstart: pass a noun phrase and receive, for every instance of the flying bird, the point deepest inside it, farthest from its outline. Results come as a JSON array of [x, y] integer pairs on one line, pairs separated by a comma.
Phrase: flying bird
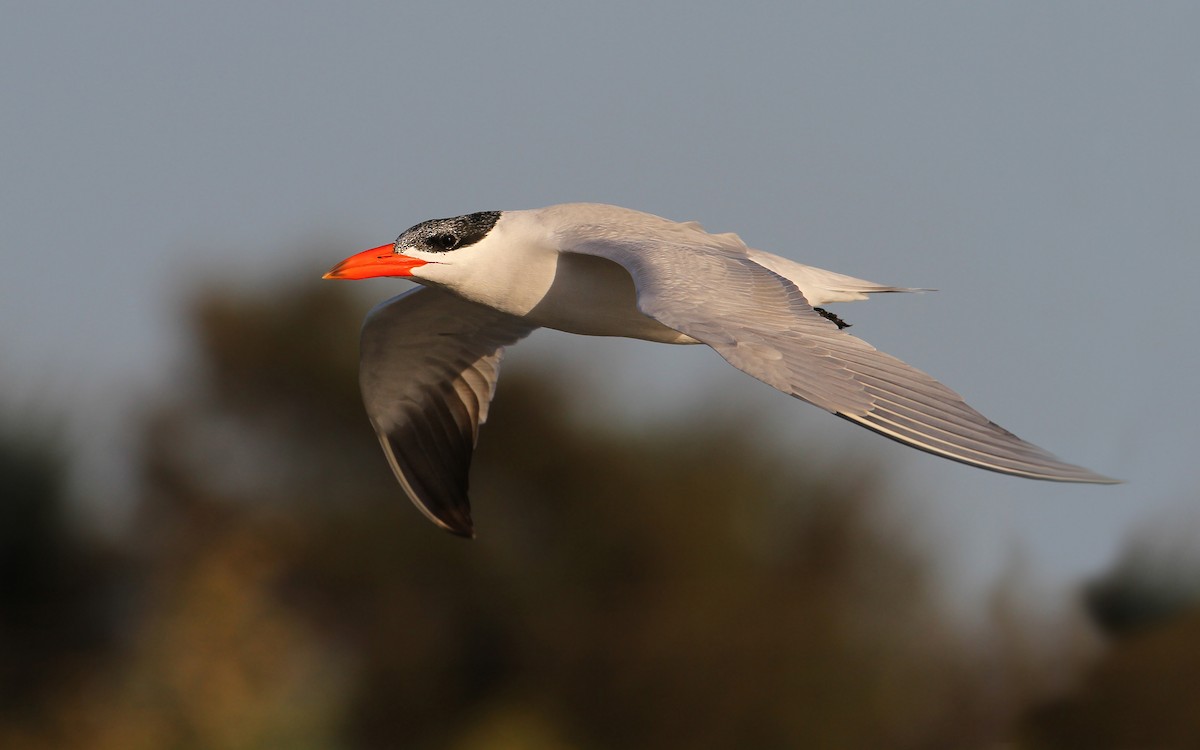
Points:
[[430, 357]]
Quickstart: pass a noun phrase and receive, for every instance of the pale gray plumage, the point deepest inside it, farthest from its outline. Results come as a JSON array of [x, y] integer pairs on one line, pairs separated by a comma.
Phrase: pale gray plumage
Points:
[[762, 325], [430, 357]]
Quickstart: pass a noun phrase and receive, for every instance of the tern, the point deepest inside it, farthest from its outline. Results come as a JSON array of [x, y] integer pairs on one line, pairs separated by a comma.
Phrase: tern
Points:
[[430, 357]]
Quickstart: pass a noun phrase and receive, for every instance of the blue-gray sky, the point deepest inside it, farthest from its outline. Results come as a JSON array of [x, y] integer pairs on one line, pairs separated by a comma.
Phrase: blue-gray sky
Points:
[[1038, 163]]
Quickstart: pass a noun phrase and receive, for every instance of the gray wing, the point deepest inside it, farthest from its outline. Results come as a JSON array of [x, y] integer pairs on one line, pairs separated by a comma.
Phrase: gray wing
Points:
[[428, 369], [762, 324]]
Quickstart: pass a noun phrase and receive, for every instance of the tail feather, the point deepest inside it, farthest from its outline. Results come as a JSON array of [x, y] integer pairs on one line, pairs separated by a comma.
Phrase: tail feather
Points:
[[820, 286]]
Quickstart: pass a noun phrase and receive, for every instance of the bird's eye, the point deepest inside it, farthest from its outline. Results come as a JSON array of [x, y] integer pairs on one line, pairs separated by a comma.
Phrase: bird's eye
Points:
[[447, 241]]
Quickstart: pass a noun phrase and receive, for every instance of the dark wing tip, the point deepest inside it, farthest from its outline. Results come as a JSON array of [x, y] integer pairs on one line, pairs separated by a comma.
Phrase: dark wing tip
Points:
[[451, 512], [459, 525], [448, 507], [440, 493], [468, 533]]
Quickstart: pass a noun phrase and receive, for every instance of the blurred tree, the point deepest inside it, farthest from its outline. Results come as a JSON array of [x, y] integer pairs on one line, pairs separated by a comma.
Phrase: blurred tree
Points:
[[55, 584], [1155, 580], [677, 586], [1143, 694], [1144, 691]]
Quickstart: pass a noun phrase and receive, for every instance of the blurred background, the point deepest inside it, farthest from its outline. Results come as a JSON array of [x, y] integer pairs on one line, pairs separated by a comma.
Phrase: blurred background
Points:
[[201, 545]]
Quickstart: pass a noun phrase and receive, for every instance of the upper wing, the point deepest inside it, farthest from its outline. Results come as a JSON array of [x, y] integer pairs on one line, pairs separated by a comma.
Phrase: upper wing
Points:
[[428, 369], [762, 324]]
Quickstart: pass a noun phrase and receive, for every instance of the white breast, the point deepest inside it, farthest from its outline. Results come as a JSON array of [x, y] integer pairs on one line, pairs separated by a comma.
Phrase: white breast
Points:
[[596, 297]]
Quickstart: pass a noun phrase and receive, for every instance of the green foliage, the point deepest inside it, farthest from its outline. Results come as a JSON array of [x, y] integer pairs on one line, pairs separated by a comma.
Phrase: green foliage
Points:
[[679, 586], [1141, 694], [53, 586], [665, 586], [1156, 579]]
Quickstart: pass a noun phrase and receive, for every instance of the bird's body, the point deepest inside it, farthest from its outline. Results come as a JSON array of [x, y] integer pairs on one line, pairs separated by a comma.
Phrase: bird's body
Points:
[[555, 283], [430, 356]]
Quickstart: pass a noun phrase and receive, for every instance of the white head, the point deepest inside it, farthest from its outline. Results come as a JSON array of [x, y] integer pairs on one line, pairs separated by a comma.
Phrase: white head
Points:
[[435, 242]]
